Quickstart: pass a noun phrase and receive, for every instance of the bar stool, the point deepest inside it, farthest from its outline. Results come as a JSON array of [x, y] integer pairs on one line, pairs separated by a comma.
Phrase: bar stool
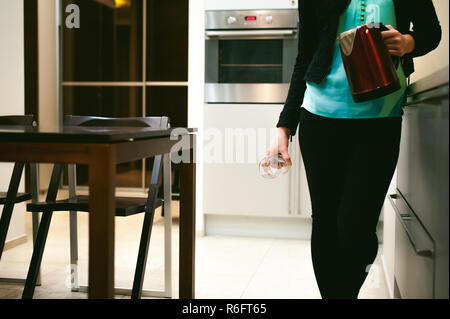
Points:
[[125, 206], [10, 198]]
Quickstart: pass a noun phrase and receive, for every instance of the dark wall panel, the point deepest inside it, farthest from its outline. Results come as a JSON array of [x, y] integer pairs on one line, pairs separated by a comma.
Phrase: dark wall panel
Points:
[[31, 65], [167, 38]]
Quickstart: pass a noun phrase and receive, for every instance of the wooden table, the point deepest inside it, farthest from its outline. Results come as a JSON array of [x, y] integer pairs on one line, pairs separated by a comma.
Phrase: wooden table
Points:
[[102, 149]]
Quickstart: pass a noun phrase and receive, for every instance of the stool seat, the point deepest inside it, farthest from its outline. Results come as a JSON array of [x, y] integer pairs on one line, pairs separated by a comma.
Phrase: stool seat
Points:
[[21, 197], [125, 206]]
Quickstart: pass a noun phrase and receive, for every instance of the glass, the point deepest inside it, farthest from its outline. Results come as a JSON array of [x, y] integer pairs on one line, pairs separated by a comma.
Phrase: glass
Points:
[[271, 167], [167, 38], [107, 102], [108, 44]]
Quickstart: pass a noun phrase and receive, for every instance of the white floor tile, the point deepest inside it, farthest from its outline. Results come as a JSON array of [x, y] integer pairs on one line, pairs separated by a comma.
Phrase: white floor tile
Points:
[[226, 267]]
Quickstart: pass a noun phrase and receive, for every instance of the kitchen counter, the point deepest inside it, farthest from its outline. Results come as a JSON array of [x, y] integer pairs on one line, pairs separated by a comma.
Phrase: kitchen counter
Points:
[[436, 82]]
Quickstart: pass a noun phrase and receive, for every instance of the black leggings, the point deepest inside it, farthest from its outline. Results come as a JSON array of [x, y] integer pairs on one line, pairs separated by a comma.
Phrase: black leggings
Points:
[[349, 166]]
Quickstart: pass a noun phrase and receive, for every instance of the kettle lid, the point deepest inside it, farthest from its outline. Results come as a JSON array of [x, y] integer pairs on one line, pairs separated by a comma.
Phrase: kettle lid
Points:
[[347, 40]]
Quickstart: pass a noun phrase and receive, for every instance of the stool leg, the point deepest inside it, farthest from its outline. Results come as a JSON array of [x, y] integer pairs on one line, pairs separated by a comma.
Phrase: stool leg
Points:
[[8, 208], [41, 238], [35, 198], [38, 252], [142, 256], [146, 230]]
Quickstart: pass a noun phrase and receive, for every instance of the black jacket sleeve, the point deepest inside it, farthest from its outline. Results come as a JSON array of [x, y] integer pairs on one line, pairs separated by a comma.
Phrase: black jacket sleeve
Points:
[[426, 30], [290, 115]]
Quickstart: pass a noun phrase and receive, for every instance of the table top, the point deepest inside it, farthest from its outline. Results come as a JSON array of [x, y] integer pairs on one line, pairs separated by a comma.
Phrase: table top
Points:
[[85, 135]]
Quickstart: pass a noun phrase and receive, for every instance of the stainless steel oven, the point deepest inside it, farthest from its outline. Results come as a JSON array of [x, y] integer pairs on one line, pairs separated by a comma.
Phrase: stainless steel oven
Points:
[[250, 55]]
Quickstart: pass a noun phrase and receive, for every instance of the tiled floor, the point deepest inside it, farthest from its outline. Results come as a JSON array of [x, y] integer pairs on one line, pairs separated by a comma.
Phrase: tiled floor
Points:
[[227, 267]]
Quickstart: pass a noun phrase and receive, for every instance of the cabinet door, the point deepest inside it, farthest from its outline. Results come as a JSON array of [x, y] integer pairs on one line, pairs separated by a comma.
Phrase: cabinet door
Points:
[[236, 188], [423, 173], [167, 40], [423, 160]]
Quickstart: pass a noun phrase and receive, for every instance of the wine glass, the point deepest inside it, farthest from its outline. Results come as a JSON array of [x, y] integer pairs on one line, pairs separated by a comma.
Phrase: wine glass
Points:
[[271, 167]]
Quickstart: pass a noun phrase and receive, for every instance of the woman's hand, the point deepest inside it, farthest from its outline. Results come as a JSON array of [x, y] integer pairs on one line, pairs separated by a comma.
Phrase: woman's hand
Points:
[[280, 145], [398, 44]]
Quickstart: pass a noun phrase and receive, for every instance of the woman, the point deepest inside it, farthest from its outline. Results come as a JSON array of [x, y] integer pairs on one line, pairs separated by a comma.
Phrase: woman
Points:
[[350, 150]]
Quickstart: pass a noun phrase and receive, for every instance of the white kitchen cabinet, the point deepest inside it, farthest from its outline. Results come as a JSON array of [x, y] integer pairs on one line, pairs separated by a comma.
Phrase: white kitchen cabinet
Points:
[[237, 189], [250, 4]]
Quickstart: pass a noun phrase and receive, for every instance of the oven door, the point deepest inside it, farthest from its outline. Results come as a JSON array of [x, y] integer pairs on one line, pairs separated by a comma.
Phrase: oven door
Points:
[[249, 66]]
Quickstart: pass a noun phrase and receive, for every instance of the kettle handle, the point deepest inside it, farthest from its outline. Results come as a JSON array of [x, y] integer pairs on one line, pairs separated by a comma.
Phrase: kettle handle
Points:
[[395, 59], [383, 27]]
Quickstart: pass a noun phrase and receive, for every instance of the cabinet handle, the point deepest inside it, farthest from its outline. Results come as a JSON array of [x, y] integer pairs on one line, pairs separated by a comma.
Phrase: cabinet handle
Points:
[[436, 95], [425, 252], [428, 100]]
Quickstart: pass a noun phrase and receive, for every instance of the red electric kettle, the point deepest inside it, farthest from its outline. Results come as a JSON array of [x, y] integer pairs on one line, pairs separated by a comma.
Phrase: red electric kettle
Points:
[[370, 68]]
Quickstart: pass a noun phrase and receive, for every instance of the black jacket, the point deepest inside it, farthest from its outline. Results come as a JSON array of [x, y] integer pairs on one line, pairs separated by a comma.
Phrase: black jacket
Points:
[[319, 20]]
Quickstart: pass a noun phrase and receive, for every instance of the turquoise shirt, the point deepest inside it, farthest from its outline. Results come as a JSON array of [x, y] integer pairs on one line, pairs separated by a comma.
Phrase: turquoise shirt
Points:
[[333, 98]]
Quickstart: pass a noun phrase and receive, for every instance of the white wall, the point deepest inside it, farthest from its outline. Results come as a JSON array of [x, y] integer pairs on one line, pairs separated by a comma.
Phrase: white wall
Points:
[[12, 95], [438, 58], [196, 93]]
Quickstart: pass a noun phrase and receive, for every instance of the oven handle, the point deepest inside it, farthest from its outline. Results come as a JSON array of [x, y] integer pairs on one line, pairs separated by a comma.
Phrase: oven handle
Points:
[[243, 34]]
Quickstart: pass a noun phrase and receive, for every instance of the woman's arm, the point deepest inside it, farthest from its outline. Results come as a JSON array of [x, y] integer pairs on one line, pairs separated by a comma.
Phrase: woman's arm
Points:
[[426, 30], [289, 117]]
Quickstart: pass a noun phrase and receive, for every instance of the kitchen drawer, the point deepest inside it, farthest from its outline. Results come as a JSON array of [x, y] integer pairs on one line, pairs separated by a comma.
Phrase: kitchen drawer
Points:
[[414, 253], [423, 161]]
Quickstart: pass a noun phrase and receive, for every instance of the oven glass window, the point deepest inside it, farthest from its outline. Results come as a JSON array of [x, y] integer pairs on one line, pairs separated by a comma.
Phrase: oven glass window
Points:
[[250, 61]]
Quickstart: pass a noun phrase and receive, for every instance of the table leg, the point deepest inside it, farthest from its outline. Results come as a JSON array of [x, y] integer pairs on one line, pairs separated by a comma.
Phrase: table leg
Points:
[[102, 171], [187, 230], [73, 225]]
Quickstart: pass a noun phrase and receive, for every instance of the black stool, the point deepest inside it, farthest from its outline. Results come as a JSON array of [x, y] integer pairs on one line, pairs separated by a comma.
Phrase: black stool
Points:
[[10, 198], [125, 206]]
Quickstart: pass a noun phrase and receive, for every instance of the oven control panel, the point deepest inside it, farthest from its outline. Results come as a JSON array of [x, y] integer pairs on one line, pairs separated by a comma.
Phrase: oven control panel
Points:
[[252, 19]]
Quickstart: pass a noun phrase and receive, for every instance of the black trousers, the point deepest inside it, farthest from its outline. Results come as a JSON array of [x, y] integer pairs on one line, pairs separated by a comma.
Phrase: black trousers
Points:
[[349, 166]]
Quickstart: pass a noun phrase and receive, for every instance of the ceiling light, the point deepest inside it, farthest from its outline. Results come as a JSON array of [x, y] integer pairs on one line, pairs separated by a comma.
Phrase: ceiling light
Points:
[[123, 3]]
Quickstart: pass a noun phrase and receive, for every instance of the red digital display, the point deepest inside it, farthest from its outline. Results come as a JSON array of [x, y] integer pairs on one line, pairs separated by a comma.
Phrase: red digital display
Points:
[[250, 18]]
